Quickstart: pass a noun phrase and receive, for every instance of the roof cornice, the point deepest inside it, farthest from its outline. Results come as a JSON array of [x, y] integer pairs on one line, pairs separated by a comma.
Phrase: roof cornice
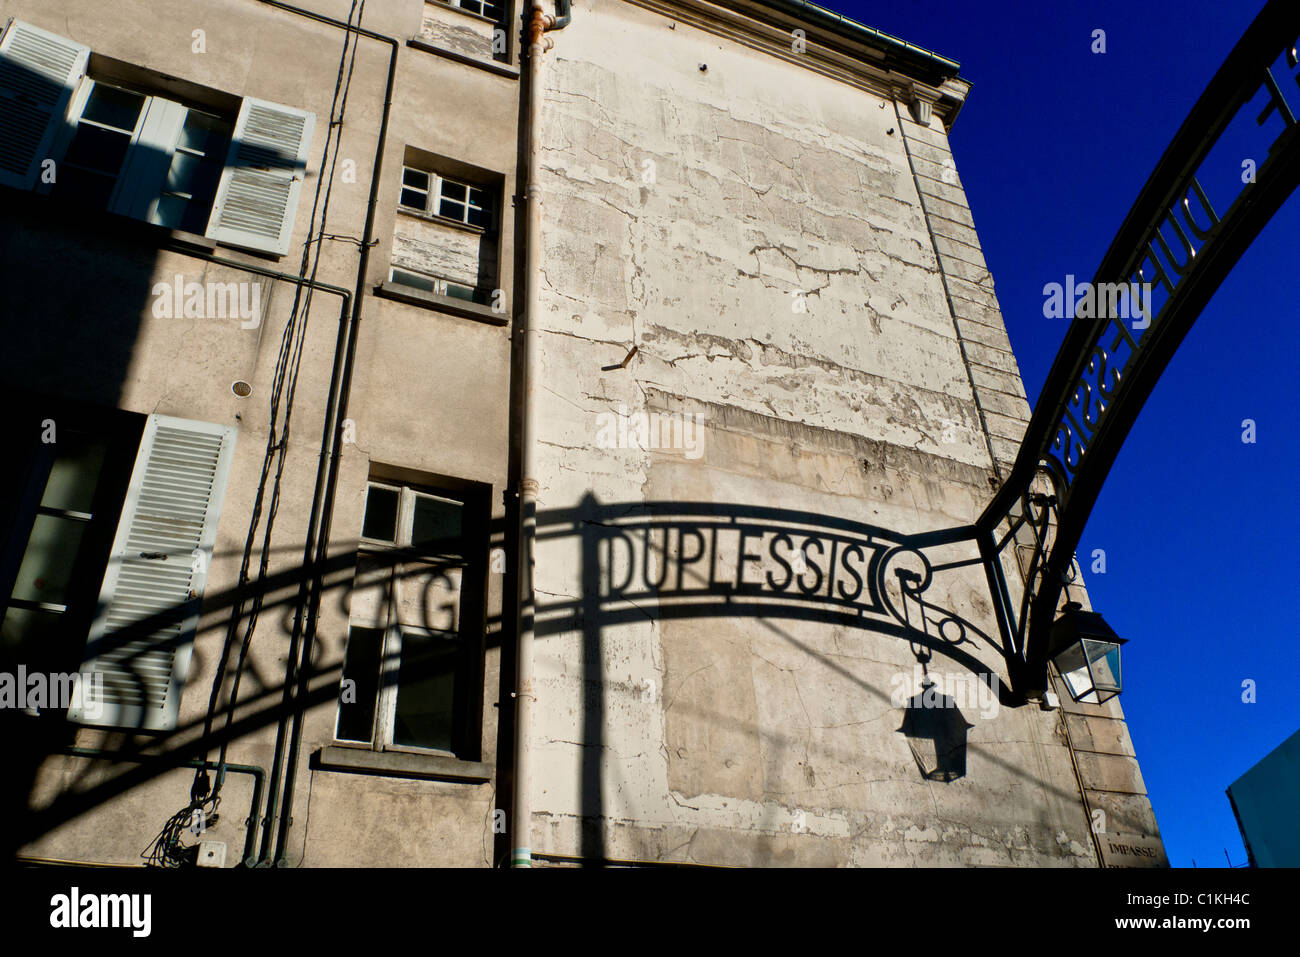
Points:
[[832, 45]]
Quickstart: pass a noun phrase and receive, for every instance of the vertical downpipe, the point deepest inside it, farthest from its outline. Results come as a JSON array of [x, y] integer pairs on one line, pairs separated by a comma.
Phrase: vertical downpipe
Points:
[[521, 854], [538, 23]]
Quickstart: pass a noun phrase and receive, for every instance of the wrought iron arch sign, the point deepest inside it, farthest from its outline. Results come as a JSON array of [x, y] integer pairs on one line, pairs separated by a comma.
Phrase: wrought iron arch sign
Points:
[[1174, 240]]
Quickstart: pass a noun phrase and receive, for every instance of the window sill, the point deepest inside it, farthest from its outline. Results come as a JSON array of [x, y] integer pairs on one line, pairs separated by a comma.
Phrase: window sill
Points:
[[448, 304], [492, 66], [442, 220], [167, 237], [402, 764], [192, 240]]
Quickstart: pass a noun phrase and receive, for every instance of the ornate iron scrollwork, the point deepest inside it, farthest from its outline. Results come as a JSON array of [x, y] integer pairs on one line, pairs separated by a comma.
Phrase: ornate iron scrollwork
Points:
[[1105, 371]]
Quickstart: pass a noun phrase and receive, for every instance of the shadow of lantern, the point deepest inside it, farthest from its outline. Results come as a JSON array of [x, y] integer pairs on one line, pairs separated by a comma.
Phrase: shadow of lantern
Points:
[[936, 732]]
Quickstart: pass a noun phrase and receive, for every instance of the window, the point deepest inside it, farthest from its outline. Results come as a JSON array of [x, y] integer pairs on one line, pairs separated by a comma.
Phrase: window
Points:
[[427, 283], [447, 241], [143, 156], [198, 161], [427, 192], [234, 176], [412, 671], [112, 521], [64, 497], [487, 8]]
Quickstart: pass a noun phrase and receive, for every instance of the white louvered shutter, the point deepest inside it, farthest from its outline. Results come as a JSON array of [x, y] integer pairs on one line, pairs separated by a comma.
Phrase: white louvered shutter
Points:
[[259, 190], [141, 640], [38, 72]]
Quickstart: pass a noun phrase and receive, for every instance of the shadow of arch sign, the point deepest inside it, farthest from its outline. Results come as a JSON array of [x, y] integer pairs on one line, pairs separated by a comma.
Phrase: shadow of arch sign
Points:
[[1179, 237], [1177, 241]]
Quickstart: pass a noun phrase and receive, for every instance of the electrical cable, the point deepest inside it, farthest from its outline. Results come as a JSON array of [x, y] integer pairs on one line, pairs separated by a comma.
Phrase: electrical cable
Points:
[[341, 104], [166, 850]]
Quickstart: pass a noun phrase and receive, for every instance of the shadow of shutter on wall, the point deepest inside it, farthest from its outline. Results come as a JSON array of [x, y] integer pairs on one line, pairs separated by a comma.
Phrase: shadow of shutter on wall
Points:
[[149, 604], [38, 72], [259, 189]]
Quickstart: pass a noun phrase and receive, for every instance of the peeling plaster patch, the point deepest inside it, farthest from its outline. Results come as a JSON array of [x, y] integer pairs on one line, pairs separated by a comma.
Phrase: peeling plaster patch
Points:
[[449, 28]]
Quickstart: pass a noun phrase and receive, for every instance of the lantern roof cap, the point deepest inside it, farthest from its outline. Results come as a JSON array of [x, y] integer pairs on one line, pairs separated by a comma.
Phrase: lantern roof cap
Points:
[[1075, 624]]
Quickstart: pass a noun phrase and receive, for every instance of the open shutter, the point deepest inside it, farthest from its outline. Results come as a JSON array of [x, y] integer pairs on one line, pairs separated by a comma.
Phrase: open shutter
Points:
[[38, 72], [259, 190], [141, 640], [147, 165]]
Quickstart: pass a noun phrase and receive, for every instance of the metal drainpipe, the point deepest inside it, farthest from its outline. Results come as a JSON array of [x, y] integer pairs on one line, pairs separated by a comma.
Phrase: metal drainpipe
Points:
[[340, 379], [538, 24], [337, 375], [303, 666], [336, 410], [323, 501]]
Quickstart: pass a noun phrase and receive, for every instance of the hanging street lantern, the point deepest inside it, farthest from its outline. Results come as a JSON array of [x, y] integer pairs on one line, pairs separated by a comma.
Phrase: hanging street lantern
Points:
[[1086, 653]]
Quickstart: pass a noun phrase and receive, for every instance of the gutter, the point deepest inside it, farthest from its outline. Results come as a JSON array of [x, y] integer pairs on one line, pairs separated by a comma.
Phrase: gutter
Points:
[[851, 29], [537, 23]]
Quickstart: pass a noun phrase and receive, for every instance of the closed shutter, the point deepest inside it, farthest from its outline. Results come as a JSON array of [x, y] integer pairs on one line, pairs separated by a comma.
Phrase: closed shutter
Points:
[[141, 641], [259, 190], [38, 72]]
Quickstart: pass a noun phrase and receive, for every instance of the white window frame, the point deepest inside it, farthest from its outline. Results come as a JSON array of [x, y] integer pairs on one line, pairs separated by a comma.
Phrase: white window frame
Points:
[[80, 99], [477, 6], [138, 188], [440, 285], [407, 495], [390, 654], [474, 198], [386, 703], [426, 191]]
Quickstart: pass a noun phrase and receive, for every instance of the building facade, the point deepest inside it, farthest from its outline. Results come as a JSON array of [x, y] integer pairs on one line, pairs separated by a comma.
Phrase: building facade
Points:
[[290, 360], [1262, 799]]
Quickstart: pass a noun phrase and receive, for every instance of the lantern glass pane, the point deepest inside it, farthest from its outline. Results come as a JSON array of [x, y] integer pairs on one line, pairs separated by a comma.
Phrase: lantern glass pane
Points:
[[1073, 667], [1103, 657]]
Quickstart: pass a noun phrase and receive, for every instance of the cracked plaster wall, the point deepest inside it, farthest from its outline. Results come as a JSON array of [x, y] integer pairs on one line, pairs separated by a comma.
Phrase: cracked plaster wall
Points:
[[98, 340], [683, 210]]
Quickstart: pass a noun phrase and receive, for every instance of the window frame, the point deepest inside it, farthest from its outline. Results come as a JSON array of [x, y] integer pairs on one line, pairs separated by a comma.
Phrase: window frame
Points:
[[217, 147], [386, 701], [434, 199], [22, 490], [441, 286], [76, 116], [158, 129], [468, 626], [481, 5]]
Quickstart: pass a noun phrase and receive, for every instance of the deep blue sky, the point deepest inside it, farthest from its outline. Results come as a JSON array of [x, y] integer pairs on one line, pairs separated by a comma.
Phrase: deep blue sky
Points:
[[1200, 529]]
